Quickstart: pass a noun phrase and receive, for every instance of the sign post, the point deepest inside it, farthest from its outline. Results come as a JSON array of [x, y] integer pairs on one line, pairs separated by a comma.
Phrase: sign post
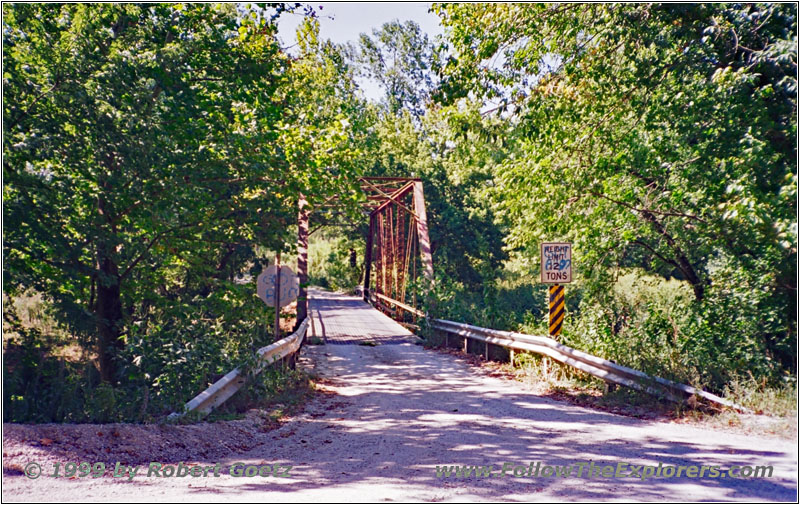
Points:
[[556, 309], [556, 269]]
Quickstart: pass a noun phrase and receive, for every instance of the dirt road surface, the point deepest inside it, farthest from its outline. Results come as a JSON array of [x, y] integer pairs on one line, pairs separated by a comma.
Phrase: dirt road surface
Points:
[[397, 411]]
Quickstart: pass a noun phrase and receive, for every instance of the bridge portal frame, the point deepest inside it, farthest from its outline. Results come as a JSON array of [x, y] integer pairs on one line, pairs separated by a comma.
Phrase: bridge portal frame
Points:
[[398, 226]]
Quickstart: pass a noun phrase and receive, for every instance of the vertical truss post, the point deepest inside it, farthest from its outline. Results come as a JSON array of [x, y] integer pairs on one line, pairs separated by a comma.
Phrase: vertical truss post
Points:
[[390, 242], [413, 257], [302, 259], [379, 275], [401, 254], [422, 232], [368, 257], [387, 259]]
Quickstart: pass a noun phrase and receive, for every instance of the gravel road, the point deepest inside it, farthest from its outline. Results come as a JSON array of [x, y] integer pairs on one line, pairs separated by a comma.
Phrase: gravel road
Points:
[[396, 411]]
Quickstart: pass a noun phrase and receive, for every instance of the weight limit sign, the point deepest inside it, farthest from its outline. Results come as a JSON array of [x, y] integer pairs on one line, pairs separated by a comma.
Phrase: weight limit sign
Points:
[[556, 270]]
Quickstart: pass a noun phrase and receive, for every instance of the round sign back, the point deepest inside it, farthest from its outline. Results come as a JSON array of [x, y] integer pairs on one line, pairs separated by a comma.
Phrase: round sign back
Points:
[[289, 287]]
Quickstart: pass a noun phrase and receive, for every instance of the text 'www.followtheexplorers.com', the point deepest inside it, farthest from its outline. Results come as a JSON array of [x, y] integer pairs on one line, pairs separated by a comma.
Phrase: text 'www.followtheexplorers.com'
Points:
[[592, 470]]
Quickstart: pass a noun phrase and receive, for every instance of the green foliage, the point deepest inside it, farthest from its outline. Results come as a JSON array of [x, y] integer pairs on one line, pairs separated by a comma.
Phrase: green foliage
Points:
[[151, 153], [105, 196], [335, 262], [276, 391], [777, 401], [400, 57], [640, 322], [185, 346], [195, 340], [654, 136]]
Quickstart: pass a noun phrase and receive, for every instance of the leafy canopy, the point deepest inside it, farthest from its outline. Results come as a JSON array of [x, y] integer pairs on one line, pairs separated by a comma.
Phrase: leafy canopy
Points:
[[656, 136]]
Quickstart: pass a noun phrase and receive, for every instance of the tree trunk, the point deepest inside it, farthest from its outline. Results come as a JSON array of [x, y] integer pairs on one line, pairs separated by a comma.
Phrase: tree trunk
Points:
[[108, 313], [108, 306], [684, 265]]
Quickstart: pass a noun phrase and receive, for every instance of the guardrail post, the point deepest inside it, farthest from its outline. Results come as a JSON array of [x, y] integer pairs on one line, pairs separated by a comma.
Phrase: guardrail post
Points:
[[466, 345], [511, 357], [486, 350]]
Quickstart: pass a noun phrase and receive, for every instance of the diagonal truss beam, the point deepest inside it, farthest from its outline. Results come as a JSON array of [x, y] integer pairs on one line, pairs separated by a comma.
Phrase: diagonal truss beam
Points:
[[393, 198]]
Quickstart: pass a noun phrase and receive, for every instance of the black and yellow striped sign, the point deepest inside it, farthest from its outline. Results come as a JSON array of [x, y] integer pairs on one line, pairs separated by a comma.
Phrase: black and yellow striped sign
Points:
[[556, 309]]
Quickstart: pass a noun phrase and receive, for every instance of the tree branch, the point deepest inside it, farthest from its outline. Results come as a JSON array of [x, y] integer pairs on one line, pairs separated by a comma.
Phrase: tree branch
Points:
[[150, 245], [654, 211], [27, 110], [652, 250]]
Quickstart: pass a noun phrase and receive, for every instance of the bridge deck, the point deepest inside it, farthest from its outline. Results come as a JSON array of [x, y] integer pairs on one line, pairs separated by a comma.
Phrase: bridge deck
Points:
[[344, 319]]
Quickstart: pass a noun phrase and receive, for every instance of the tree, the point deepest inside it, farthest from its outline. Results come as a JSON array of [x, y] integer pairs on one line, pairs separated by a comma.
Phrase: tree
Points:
[[401, 58], [660, 136], [135, 137], [323, 131]]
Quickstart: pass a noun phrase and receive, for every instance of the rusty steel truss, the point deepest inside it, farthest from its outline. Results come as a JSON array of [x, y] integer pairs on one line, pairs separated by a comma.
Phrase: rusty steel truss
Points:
[[397, 237], [397, 241]]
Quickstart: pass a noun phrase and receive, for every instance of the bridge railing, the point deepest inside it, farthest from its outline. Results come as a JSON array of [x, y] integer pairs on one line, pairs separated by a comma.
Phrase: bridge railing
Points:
[[384, 300], [585, 362], [220, 391]]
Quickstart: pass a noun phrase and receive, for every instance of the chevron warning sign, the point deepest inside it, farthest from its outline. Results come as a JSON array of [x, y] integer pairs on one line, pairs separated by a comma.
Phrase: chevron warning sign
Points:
[[556, 309]]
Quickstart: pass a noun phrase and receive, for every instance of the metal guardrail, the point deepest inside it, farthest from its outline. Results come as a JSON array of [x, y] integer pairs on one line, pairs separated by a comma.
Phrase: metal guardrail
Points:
[[224, 388], [598, 367]]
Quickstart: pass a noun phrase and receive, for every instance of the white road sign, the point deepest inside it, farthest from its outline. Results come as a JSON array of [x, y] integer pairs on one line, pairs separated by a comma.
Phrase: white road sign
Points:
[[556, 262], [289, 288]]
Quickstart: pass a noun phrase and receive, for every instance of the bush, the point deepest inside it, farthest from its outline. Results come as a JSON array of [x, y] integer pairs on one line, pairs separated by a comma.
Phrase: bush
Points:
[[640, 323], [181, 347], [331, 264], [655, 325]]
